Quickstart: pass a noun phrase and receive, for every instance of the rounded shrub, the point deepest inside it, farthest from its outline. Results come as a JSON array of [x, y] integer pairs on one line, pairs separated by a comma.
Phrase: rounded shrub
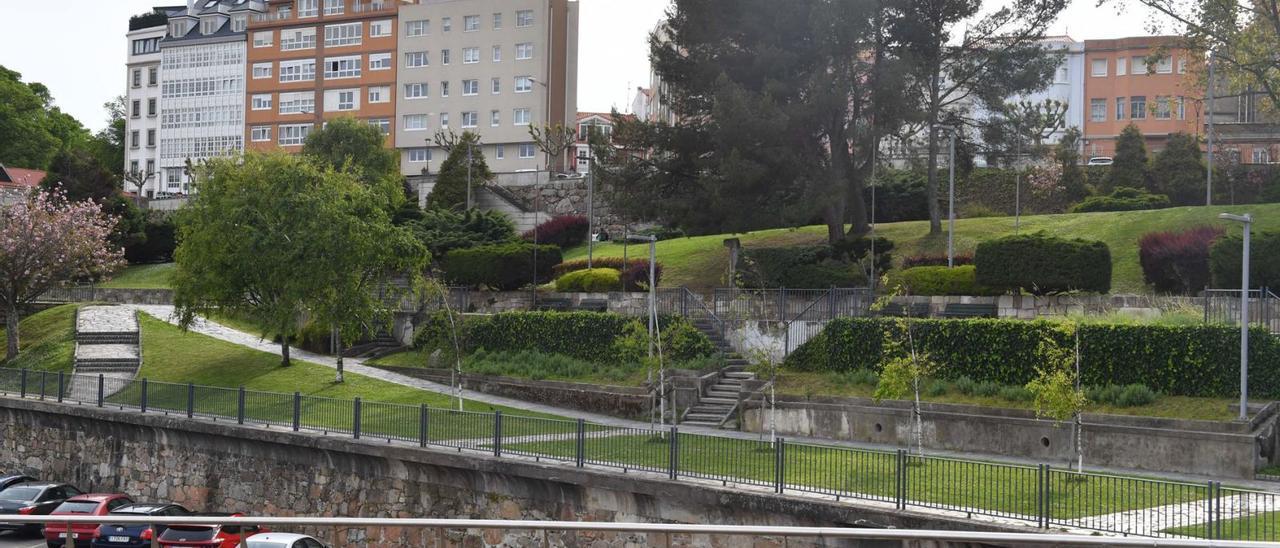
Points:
[[1135, 395], [939, 280], [986, 389], [592, 280], [1041, 264], [635, 272], [936, 260], [1264, 257], [504, 267], [965, 385], [1123, 199], [1177, 262], [564, 231]]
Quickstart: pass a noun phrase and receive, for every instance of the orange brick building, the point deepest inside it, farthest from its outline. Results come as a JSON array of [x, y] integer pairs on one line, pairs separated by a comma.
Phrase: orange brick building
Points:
[[313, 60], [1120, 89]]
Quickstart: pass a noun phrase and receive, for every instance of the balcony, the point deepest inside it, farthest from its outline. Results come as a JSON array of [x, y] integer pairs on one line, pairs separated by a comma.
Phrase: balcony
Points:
[[356, 8], [373, 7]]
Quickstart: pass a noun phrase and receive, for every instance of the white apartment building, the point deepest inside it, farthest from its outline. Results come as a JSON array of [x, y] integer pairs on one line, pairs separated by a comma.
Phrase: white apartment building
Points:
[[1067, 86], [202, 83], [142, 108], [492, 67]]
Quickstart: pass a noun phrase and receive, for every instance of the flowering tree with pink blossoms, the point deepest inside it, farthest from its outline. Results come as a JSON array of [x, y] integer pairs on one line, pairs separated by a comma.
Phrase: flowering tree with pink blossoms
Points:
[[46, 240]]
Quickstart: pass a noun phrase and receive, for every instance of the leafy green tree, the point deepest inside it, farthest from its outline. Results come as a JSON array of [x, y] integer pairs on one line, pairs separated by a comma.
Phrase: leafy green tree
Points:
[[1129, 166], [27, 132], [450, 191], [1178, 171], [1056, 388], [1074, 181], [357, 146], [443, 230], [78, 173]]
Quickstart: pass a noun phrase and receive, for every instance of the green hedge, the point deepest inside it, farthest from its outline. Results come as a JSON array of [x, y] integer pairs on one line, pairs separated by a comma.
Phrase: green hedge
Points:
[[591, 280], [1123, 199], [939, 280], [1197, 360], [1264, 261], [503, 267], [1041, 264]]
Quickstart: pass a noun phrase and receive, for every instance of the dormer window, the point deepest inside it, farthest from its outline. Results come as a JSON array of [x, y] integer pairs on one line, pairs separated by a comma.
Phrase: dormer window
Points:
[[239, 23], [210, 25], [178, 28]]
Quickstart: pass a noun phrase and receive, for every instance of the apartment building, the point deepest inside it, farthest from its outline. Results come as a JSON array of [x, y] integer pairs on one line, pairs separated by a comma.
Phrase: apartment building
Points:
[[202, 83], [142, 103], [314, 60], [1122, 88], [493, 67]]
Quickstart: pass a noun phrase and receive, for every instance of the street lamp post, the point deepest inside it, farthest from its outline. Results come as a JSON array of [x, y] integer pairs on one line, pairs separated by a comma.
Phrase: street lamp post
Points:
[[591, 206], [951, 195], [1247, 221], [468, 175], [653, 319], [1208, 182]]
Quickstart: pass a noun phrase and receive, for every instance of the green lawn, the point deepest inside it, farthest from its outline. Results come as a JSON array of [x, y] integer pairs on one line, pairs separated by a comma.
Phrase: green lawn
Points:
[[1261, 527], [141, 276], [527, 365], [700, 261], [46, 340]]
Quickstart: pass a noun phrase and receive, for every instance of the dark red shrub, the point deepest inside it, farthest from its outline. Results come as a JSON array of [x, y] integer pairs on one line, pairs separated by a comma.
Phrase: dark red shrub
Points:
[[934, 260], [565, 231], [635, 275], [1177, 262]]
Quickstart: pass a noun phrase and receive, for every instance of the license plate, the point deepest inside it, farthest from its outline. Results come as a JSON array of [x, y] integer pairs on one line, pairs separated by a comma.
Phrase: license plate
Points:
[[64, 535], [117, 539]]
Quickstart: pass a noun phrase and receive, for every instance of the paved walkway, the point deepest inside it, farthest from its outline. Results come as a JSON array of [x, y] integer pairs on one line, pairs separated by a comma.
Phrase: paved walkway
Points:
[[99, 352], [106, 319]]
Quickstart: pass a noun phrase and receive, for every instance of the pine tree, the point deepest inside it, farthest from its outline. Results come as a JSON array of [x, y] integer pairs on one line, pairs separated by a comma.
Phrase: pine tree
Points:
[[1068, 156], [1178, 172], [1129, 168], [450, 191]]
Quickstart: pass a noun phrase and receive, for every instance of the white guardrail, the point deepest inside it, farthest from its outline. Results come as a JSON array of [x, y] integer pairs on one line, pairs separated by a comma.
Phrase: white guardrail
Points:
[[1038, 539]]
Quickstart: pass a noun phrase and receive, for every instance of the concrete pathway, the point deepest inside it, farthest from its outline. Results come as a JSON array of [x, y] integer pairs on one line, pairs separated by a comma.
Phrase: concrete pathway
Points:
[[106, 319], [107, 345]]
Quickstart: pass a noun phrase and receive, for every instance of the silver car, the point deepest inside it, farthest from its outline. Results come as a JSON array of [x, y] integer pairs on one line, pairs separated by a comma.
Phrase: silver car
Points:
[[283, 540]]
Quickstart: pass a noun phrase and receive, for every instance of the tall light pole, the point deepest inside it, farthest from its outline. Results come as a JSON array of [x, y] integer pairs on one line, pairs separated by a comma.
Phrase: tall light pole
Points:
[[1247, 221], [468, 175], [951, 196], [1208, 110], [591, 204]]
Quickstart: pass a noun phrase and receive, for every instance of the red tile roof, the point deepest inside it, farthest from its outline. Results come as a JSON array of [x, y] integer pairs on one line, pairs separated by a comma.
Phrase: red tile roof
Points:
[[19, 177]]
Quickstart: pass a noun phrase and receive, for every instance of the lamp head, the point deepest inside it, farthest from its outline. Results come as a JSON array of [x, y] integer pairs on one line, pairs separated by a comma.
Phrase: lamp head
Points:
[[1246, 218]]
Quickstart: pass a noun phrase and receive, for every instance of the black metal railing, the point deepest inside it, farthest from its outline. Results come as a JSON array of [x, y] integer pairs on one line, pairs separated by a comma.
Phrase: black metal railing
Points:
[[786, 305], [1222, 306], [1037, 494]]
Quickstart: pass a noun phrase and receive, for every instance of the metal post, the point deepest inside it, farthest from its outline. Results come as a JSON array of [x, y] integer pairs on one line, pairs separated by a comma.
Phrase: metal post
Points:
[[424, 421], [900, 481], [468, 175], [673, 462], [591, 211], [779, 465], [22, 391], [240, 407], [582, 444], [61, 383], [1208, 524], [44, 376], [1041, 503], [102, 381], [497, 433], [1048, 494], [951, 203], [144, 396], [355, 418], [1208, 186], [191, 400], [297, 411], [1244, 323], [1017, 185]]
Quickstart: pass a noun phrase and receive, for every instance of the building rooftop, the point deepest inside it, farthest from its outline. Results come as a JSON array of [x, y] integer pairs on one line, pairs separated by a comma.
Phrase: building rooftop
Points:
[[16, 177]]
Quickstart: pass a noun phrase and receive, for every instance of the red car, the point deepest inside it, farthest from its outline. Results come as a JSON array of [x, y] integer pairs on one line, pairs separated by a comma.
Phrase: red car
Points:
[[208, 536], [95, 504]]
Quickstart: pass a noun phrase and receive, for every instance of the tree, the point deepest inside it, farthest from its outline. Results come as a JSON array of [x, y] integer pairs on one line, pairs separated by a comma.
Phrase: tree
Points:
[[998, 54], [554, 141], [263, 236], [779, 111], [79, 174], [443, 230], [357, 146], [1129, 166], [450, 191], [108, 143], [1018, 129], [1067, 153], [27, 132], [46, 240], [1056, 388], [905, 368], [1178, 171]]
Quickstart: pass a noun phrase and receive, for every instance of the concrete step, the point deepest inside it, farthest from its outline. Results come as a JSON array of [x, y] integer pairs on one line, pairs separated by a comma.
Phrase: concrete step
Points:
[[718, 401], [96, 367], [728, 394], [107, 338], [706, 424], [711, 408], [709, 419], [740, 375], [729, 383]]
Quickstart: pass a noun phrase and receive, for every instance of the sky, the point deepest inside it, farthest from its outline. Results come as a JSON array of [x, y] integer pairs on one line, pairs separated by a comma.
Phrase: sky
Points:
[[83, 62]]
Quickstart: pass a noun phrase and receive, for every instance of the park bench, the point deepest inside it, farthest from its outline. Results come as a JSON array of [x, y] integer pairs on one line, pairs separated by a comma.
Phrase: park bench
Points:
[[558, 305], [970, 310], [594, 305]]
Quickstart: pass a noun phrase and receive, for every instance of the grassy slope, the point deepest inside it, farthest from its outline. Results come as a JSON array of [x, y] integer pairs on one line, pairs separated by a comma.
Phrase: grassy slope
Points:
[[700, 261], [142, 276], [46, 340]]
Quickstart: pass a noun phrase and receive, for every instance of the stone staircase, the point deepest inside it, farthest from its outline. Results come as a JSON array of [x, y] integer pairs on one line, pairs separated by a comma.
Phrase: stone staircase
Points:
[[108, 343], [379, 346], [718, 407], [495, 199]]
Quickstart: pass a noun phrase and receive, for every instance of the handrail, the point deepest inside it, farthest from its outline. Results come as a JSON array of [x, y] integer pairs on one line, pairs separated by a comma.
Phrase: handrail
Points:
[[709, 312]]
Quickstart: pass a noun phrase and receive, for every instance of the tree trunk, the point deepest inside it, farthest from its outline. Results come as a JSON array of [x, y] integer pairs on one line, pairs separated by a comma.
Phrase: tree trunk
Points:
[[337, 343], [833, 215], [11, 332], [284, 351], [935, 212]]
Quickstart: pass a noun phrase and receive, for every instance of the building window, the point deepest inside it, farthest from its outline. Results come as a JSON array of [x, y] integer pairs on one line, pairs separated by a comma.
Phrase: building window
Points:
[[380, 94], [446, 24], [470, 118], [524, 84], [262, 102], [1121, 66], [151, 138], [1261, 155], [524, 18], [420, 27], [1121, 102], [151, 107], [415, 59], [1097, 110], [298, 102], [495, 118], [333, 7], [146, 45], [238, 23], [444, 89], [1098, 67], [173, 176], [133, 167], [470, 56], [497, 54], [347, 34], [1164, 65], [297, 71], [380, 29], [497, 21], [340, 100], [1139, 65], [500, 151], [383, 125], [153, 76], [444, 119], [264, 39], [470, 23], [261, 70], [1182, 108], [260, 134], [294, 134], [415, 91], [496, 86], [341, 67], [151, 167], [308, 8], [470, 87], [1164, 109], [210, 25], [415, 122], [137, 78], [445, 56], [295, 39], [524, 50], [419, 155], [1138, 107], [135, 139], [135, 109], [527, 150], [1182, 65], [379, 61], [521, 117]]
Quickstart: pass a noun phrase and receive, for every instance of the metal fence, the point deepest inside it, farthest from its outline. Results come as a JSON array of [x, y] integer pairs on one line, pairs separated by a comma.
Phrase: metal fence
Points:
[[1041, 495], [1222, 306], [787, 305]]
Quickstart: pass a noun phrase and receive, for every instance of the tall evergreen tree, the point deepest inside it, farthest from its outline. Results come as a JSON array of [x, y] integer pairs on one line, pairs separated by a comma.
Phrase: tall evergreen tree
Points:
[[450, 191], [1067, 154], [1178, 171], [1129, 166]]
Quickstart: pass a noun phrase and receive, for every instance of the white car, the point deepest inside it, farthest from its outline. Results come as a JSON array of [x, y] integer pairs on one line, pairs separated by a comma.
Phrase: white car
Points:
[[1100, 161], [283, 540]]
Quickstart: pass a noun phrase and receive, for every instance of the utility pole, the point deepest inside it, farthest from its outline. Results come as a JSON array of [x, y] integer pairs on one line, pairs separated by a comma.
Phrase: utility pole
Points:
[[591, 205], [468, 175], [1208, 184]]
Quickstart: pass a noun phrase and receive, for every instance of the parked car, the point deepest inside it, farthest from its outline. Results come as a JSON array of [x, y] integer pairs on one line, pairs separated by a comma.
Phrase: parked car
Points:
[[96, 504], [283, 540], [135, 536], [10, 480], [32, 498], [208, 536], [1101, 161]]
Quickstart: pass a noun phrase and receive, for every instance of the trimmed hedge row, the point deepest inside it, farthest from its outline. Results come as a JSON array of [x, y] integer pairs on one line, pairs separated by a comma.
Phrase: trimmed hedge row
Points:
[[939, 280], [504, 267], [1199, 360], [1041, 264]]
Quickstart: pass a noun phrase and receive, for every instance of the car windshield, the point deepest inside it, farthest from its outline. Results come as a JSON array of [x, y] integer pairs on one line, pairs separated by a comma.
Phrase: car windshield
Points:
[[20, 493], [77, 507], [183, 533]]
